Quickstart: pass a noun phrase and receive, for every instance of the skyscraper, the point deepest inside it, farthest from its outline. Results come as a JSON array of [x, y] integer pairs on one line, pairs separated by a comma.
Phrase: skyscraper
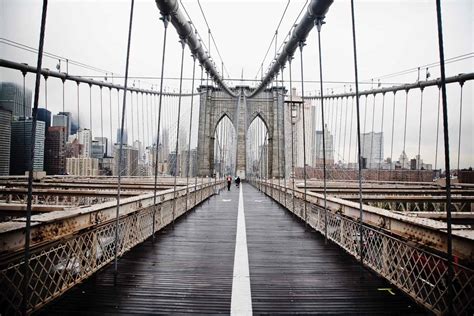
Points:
[[21, 145], [125, 136], [164, 150], [55, 153], [44, 116], [328, 138], [5, 139], [84, 136], [64, 121], [15, 99], [372, 149]]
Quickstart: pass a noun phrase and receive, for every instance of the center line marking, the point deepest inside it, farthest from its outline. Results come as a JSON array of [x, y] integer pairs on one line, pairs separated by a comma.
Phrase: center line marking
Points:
[[241, 302]]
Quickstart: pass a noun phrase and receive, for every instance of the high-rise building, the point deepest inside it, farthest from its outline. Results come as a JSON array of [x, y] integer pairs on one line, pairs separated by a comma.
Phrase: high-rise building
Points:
[[173, 167], [164, 149], [125, 136], [329, 144], [15, 99], [309, 127], [73, 149], [104, 142], [55, 152], [5, 139], [21, 143], [97, 149], [64, 121], [84, 136], [372, 149], [44, 116], [129, 163], [82, 166]]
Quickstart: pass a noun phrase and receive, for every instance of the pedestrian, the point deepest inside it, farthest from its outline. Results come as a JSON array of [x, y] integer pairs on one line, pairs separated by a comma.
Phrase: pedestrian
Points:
[[229, 182], [237, 181]]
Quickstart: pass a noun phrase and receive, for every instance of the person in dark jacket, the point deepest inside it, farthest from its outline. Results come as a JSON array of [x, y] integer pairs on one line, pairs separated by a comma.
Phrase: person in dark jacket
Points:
[[237, 181], [229, 182]]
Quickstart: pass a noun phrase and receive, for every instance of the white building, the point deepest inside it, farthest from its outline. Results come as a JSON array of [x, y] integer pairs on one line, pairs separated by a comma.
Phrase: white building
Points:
[[372, 149], [82, 166], [329, 144], [84, 136]]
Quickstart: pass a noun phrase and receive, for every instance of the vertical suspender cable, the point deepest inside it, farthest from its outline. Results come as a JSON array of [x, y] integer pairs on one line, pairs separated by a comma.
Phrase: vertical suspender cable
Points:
[[197, 151], [176, 166], [110, 122], [319, 23], [361, 242], [393, 129], [345, 132], [102, 122], [437, 128], [301, 44], [284, 110], [293, 175], [118, 116], [365, 123], [418, 159], [90, 108], [350, 129], [450, 275], [46, 92], [26, 262], [381, 135], [78, 112], [278, 138], [405, 124], [372, 134], [120, 154], [64, 99], [166, 20], [460, 125]]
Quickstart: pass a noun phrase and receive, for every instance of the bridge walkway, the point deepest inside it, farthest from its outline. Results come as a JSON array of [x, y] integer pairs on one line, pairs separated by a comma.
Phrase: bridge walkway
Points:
[[190, 269]]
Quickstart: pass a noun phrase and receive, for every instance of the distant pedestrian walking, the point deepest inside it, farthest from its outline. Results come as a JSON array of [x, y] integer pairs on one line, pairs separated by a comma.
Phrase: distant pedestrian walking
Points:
[[237, 181], [229, 182]]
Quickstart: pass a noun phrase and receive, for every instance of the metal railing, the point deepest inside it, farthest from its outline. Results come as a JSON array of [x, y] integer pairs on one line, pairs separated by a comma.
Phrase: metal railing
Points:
[[419, 273], [58, 265]]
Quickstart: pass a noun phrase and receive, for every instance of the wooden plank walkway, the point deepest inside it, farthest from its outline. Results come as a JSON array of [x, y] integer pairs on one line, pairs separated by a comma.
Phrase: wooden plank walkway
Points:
[[189, 269]]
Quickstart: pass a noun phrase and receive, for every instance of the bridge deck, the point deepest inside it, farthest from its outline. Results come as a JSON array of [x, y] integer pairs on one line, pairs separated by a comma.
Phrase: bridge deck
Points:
[[190, 269]]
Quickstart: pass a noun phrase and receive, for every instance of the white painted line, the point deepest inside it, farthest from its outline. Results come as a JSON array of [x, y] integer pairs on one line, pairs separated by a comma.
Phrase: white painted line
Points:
[[225, 200], [241, 303]]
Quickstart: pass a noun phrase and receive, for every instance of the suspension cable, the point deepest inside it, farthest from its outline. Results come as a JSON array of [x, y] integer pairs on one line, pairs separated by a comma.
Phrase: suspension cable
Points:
[[292, 136], [418, 159], [372, 134], [345, 132], [301, 45], [176, 167], [460, 124], [393, 129], [319, 23], [165, 19], [358, 133], [381, 133], [351, 129], [119, 172], [102, 124], [78, 112], [405, 123], [26, 267], [437, 127], [46, 92], [450, 274]]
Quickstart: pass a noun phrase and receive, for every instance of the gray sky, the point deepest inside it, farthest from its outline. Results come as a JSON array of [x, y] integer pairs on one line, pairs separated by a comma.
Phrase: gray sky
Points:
[[391, 36]]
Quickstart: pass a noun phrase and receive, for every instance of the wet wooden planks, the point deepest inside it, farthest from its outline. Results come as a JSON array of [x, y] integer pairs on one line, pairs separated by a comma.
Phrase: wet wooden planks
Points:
[[293, 271], [187, 270]]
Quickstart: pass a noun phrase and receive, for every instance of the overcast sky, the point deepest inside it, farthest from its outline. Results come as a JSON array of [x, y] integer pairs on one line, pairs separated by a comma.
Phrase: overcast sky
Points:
[[391, 36]]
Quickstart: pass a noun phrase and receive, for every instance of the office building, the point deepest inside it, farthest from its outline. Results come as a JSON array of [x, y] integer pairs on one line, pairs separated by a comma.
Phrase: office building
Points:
[[44, 115], [21, 143], [329, 144], [55, 152], [84, 136], [129, 163], [125, 136], [5, 139], [15, 99], [372, 149], [82, 166], [64, 121]]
